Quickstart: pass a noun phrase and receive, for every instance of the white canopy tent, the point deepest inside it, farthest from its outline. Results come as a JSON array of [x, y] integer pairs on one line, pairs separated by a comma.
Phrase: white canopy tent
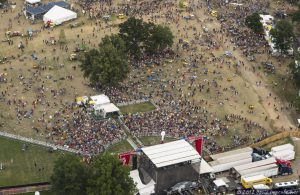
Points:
[[58, 15], [100, 100], [106, 109], [32, 1]]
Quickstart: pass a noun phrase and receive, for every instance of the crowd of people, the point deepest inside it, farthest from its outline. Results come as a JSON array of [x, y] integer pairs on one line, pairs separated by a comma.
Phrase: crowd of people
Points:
[[189, 96]]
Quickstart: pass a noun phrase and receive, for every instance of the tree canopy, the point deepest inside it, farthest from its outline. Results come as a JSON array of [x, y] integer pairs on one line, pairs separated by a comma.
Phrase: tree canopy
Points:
[[69, 176], [140, 37], [109, 177], [106, 176], [282, 36], [159, 39], [134, 32], [296, 15], [108, 65], [253, 22]]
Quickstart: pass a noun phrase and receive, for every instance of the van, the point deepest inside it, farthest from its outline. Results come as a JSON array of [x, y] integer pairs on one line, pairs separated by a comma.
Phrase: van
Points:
[[249, 182]]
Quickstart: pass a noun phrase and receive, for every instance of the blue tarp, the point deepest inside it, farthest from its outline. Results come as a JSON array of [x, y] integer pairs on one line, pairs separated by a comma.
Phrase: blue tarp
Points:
[[45, 8]]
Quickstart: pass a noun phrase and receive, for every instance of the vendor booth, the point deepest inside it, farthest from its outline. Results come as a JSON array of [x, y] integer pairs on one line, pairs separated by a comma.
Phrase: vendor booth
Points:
[[57, 15], [107, 110]]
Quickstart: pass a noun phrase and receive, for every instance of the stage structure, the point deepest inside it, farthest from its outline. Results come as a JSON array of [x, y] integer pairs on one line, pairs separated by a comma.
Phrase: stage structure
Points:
[[170, 163]]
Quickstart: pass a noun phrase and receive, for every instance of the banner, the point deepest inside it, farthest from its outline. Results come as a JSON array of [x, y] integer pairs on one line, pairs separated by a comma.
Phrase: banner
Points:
[[125, 157], [198, 144]]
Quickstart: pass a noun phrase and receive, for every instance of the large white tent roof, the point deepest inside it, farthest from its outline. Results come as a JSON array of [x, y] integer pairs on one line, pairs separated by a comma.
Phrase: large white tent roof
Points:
[[59, 15], [108, 108], [32, 1], [100, 99], [171, 153]]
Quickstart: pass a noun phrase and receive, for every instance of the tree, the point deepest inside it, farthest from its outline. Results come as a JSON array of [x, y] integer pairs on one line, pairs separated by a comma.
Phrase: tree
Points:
[[253, 22], [69, 176], [160, 38], [109, 177], [296, 15], [134, 32], [295, 69], [108, 65], [282, 36], [62, 37]]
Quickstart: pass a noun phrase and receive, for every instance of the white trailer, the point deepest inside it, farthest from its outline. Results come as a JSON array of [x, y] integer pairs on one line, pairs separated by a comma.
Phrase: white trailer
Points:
[[219, 167], [232, 153], [268, 171], [282, 147], [284, 154], [251, 165]]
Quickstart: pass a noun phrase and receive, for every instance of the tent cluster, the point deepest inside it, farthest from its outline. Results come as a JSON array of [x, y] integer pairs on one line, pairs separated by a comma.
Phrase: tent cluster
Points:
[[54, 13], [268, 23], [100, 104]]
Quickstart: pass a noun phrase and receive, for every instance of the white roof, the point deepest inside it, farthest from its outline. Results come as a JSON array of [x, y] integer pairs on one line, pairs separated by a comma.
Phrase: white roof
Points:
[[205, 167], [171, 153], [59, 15], [108, 108], [100, 99], [261, 187], [219, 182], [231, 153], [142, 188], [253, 178], [32, 1], [282, 147], [257, 169], [255, 164]]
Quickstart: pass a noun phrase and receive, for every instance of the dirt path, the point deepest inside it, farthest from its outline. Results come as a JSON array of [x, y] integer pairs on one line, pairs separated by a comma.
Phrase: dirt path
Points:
[[266, 101]]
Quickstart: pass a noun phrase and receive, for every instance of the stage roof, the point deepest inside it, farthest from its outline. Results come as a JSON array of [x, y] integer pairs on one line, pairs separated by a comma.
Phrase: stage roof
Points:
[[171, 153]]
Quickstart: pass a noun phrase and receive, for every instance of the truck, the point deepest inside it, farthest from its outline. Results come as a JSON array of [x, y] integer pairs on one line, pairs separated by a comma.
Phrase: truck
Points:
[[249, 182], [286, 185], [266, 170], [284, 169]]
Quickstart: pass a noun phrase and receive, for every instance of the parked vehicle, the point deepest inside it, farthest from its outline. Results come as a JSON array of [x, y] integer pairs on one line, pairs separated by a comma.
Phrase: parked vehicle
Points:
[[286, 185], [249, 182]]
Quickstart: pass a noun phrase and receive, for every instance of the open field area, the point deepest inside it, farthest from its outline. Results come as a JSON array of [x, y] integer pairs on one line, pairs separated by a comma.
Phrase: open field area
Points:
[[211, 83], [212, 89], [22, 167], [122, 146], [134, 108]]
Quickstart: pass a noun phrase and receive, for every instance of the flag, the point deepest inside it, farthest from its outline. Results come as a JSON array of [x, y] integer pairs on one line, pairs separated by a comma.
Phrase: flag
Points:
[[125, 157], [198, 144]]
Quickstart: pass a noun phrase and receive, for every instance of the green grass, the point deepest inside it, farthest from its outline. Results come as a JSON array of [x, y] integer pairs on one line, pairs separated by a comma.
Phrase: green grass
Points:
[[18, 165], [134, 108], [122, 146], [153, 140]]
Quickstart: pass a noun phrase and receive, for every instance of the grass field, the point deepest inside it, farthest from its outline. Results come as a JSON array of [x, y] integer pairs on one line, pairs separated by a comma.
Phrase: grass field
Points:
[[134, 108], [19, 166], [152, 140], [122, 146]]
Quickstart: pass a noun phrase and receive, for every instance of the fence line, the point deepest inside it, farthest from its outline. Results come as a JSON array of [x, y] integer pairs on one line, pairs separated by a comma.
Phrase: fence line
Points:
[[38, 142], [133, 102]]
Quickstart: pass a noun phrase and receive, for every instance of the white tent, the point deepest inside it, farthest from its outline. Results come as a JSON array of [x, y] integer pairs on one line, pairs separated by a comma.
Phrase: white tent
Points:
[[106, 109], [32, 1], [58, 15], [100, 100]]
